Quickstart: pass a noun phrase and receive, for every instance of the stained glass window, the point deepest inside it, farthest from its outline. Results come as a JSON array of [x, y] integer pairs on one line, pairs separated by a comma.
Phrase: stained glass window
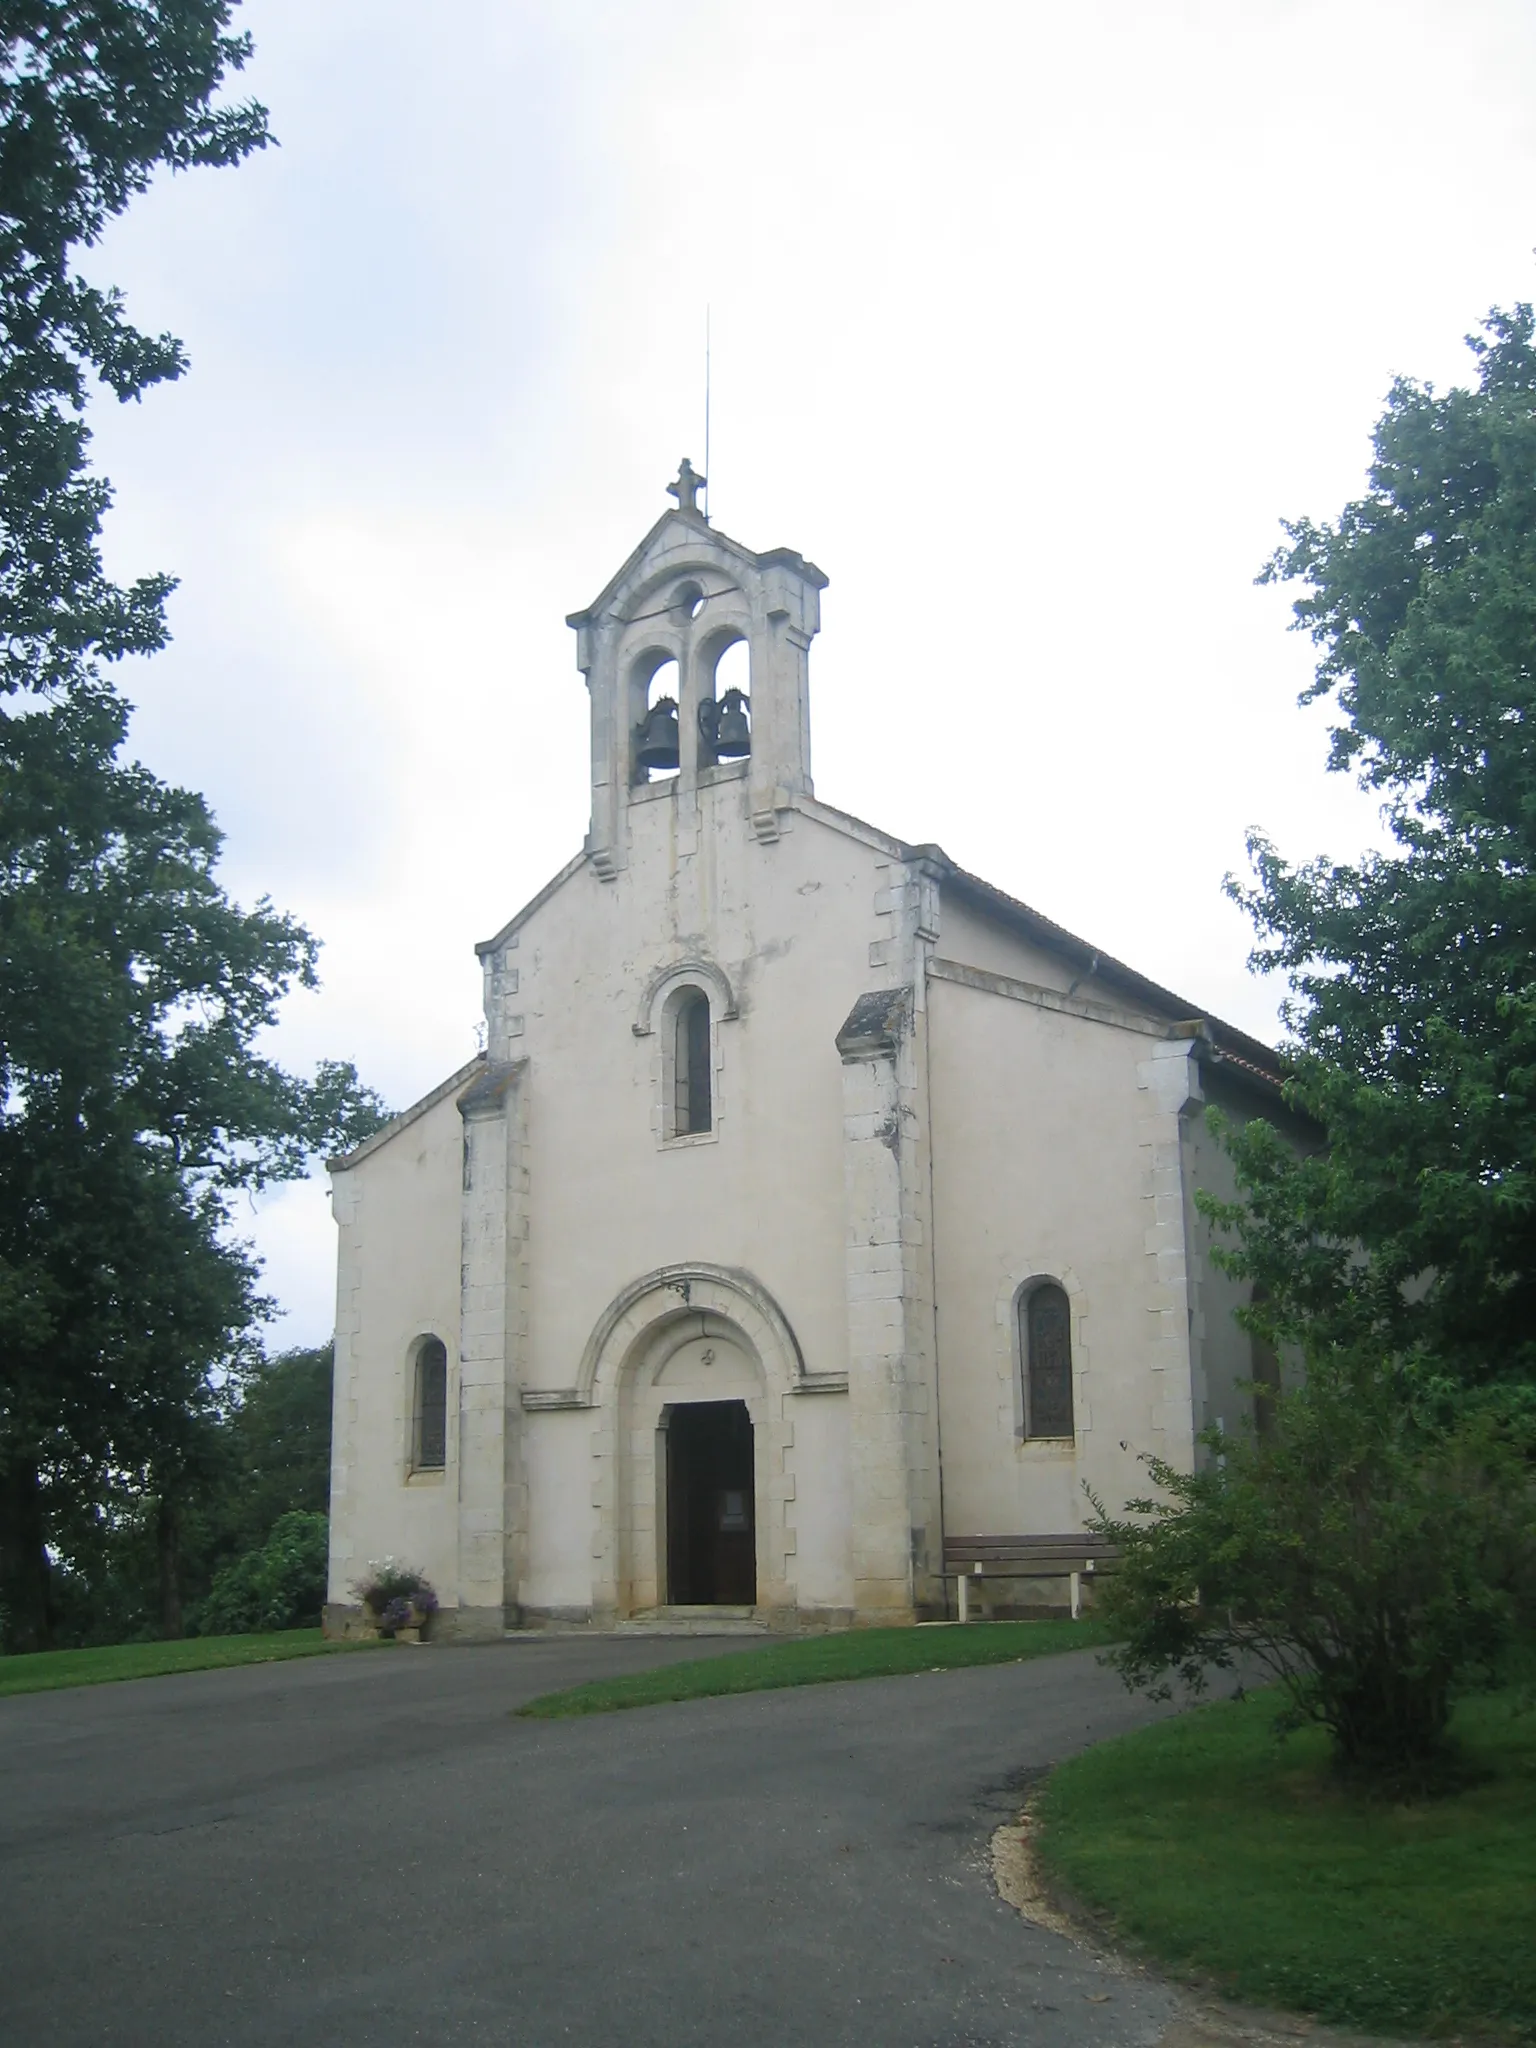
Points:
[[431, 1449], [1047, 1351], [694, 1108]]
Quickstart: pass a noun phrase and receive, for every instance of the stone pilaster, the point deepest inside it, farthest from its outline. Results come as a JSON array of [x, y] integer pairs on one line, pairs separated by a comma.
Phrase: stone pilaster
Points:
[[790, 613], [607, 835], [344, 1566], [492, 1325], [1170, 1080], [897, 1533]]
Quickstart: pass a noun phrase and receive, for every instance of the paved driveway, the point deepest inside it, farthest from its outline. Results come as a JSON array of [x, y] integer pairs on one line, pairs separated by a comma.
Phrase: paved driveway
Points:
[[368, 1849]]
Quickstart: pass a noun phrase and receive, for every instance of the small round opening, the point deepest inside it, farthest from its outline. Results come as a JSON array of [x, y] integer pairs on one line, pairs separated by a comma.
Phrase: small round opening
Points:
[[689, 600]]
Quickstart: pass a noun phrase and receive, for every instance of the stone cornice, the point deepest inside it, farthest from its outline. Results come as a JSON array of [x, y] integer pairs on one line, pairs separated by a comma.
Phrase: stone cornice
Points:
[[487, 1094], [876, 1024], [1042, 998]]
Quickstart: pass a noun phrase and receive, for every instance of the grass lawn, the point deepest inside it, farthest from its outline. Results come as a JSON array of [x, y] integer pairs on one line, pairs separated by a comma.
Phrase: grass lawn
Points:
[[1232, 1856], [816, 1660], [45, 1670]]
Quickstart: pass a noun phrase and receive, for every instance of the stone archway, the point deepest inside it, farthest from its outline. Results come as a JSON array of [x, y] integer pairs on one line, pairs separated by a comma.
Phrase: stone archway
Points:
[[688, 1335]]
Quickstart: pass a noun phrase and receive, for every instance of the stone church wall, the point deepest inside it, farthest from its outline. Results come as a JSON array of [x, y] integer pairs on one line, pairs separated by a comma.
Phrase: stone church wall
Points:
[[790, 926], [557, 1450], [1042, 1170], [398, 1211], [610, 1197]]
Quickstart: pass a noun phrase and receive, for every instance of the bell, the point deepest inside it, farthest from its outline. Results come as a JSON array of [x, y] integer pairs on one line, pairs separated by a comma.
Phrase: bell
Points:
[[733, 736], [656, 745]]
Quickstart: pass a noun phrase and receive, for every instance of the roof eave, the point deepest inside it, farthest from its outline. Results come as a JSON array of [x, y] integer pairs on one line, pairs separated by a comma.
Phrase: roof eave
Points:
[[1226, 1037]]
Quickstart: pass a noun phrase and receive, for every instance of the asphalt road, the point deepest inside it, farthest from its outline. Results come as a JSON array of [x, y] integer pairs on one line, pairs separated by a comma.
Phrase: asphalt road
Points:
[[368, 1849]]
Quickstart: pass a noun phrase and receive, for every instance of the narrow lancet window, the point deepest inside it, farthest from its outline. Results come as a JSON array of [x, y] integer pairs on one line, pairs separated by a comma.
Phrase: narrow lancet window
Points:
[[694, 1107], [430, 1446], [1047, 1348]]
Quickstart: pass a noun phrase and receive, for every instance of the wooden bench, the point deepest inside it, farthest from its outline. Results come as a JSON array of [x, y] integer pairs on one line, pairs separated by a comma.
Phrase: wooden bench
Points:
[[968, 1559]]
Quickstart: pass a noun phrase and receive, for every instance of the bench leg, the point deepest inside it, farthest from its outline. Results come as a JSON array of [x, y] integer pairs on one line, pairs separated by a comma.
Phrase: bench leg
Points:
[[963, 1588], [1077, 1595]]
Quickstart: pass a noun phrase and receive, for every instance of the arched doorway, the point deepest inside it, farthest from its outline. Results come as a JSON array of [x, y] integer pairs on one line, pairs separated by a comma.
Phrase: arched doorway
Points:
[[711, 1490], [694, 1426], [681, 1337]]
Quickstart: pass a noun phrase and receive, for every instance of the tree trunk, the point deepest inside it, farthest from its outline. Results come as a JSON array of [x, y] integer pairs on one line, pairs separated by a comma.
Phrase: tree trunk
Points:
[[26, 1616], [168, 1544]]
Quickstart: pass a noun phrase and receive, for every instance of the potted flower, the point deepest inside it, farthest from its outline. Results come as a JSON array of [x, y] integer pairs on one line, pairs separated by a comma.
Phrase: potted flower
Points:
[[397, 1598]]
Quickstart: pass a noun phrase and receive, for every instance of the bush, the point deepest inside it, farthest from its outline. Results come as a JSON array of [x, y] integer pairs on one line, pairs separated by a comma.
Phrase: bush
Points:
[[281, 1585], [1373, 1563]]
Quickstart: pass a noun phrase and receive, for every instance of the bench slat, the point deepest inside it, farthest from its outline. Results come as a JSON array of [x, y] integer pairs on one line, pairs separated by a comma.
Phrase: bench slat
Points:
[[1073, 1561], [1025, 1550], [1022, 1557]]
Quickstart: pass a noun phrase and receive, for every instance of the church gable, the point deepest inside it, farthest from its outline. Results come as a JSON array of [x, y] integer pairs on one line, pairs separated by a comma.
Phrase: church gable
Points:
[[678, 765], [593, 974], [400, 1124]]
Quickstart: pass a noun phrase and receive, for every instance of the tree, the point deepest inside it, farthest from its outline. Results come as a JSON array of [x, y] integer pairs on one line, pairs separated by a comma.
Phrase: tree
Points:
[[1376, 1547], [279, 1585], [1413, 1015], [251, 1450], [133, 992], [280, 1444], [95, 98]]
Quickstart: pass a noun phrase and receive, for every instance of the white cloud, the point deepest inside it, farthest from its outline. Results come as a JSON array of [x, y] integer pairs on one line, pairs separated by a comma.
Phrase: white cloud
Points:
[[1030, 322]]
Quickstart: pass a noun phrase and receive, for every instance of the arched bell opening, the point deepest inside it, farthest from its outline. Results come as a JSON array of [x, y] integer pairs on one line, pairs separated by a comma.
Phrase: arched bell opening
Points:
[[725, 704], [654, 692]]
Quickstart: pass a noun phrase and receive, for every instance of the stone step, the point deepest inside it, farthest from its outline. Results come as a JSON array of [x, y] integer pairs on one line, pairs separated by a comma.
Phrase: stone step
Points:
[[693, 1621]]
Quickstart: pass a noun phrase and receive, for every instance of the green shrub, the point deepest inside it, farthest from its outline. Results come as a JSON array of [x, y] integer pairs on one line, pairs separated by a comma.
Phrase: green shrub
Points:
[[1374, 1563], [281, 1585]]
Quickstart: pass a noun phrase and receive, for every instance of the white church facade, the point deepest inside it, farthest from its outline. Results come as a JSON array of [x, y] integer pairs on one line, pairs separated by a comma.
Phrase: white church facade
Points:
[[812, 1201]]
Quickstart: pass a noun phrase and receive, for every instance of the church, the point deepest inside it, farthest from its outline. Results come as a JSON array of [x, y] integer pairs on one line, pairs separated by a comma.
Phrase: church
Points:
[[812, 1207]]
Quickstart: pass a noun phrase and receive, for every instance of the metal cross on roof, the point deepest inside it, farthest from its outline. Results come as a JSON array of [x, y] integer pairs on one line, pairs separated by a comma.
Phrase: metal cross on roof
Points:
[[686, 489]]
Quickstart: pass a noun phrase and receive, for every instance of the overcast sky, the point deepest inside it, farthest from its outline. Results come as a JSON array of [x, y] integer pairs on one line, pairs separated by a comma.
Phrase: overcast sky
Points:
[[1030, 323]]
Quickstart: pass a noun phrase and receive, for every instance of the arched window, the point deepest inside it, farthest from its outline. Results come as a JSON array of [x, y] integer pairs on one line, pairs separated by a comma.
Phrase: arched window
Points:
[[1045, 1342], [693, 1105], [429, 1430]]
